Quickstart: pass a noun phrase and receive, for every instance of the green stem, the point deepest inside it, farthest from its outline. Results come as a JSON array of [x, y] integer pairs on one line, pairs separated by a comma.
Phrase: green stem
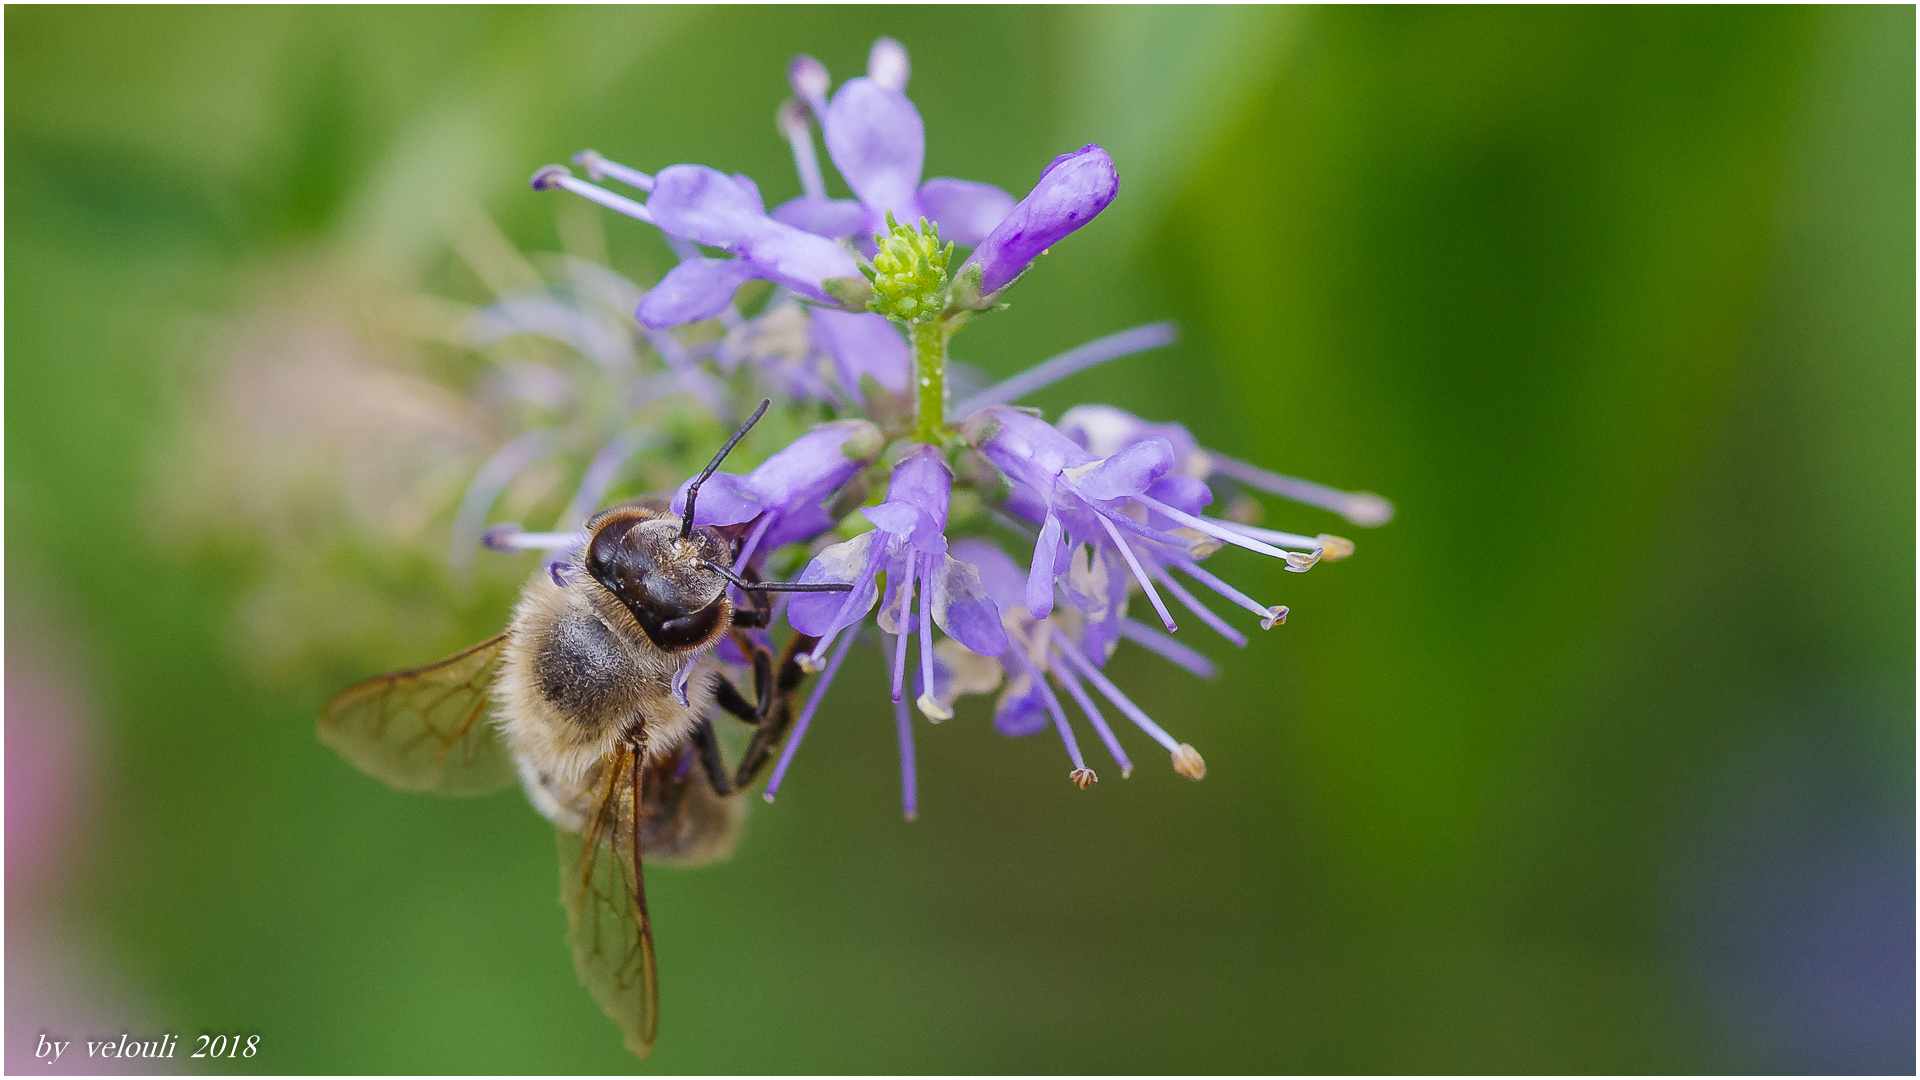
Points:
[[930, 380]]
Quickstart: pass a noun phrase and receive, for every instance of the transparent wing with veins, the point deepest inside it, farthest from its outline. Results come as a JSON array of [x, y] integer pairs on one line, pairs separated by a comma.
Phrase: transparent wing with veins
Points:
[[605, 896], [426, 728]]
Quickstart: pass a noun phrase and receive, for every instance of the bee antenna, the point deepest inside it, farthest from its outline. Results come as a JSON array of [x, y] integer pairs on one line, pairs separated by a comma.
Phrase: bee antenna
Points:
[[693, 490], [778, 586]]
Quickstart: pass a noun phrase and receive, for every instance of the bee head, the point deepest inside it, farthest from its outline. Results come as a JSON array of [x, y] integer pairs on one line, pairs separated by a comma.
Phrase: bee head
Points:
[[662, 577]]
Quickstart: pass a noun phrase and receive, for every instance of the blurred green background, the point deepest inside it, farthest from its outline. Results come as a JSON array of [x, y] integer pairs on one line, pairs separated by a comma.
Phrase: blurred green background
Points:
[[1600, 757]]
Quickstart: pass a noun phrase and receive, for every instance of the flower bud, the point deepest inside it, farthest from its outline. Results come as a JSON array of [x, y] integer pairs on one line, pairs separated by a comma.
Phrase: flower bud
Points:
[[1071, 191]]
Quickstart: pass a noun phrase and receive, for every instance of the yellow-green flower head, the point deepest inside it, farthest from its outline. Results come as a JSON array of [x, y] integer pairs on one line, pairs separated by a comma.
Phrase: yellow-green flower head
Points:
[[909, 272]]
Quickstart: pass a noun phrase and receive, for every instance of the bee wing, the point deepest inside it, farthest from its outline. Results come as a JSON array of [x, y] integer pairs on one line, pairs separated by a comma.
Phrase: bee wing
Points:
[[425, 729], [606, 900]]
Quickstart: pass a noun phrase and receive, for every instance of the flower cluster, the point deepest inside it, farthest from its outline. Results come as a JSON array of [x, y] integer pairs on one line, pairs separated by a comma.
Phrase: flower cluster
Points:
[[1022, 542]]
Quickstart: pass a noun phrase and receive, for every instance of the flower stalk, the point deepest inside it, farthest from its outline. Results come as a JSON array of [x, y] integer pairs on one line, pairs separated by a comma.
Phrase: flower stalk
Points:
[[930, 381]]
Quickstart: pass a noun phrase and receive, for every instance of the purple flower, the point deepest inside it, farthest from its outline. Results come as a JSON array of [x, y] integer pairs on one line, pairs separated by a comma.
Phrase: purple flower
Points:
[[1072, 189], [791, 492], [908, 543], [1097, 502], [1055, 648], [876, 139]]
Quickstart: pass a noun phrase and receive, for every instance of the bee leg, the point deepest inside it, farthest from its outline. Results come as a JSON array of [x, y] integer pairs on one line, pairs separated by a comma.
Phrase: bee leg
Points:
[[728, 697], [757, 612], [774, 692], [710, 760]]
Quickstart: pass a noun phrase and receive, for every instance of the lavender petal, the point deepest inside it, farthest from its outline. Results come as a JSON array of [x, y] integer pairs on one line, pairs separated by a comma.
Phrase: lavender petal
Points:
[[966, 211], [696, 289], [831, 218], [862, 345], [878, 143]]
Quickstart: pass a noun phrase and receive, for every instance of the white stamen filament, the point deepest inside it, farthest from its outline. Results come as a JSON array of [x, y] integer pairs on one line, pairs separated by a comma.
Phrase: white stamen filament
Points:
[[929, 705], [806, 717], [1079, 660], [537, 541], [599, 168], [1094, 717], [1140, 575], [617, 203], [1269, 615], [1071, 362], [1202, 611], [806, 162], [906, 628], [1278, 539], [1363, 508], [1166, 648], [1202, 525]]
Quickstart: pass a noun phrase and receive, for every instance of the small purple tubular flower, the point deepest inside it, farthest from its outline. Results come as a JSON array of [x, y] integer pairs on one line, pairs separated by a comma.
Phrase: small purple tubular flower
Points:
[[1086, 500], [1072, 189], [908, 542], [709, 207], [793, 489]]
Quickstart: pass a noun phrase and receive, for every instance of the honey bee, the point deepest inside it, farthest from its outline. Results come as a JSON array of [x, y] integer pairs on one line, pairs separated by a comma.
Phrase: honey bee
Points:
[[604, 690]]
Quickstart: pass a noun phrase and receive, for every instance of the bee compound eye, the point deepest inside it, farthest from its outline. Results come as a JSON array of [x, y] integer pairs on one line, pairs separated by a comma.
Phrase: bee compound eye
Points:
[[676, 632]]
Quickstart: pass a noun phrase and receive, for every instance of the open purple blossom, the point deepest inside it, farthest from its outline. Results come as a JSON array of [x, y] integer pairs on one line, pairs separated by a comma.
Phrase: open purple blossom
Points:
[[1128, 504], [877, 142], [853, 341], [908, 544]]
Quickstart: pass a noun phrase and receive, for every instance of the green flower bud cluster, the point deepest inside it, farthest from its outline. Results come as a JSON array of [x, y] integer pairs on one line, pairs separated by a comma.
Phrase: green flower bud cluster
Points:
[[909, 272]]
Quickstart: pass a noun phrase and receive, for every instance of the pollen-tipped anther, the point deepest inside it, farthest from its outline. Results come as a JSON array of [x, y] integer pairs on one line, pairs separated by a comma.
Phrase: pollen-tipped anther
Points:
[[1084, 778], [887, 65], [549, 177], [1276, 615], [1333, 548], [1302, 561], [1187, 762], [1366, 509], [591, 161], [809, 79], [791, 118], [932, 709]]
